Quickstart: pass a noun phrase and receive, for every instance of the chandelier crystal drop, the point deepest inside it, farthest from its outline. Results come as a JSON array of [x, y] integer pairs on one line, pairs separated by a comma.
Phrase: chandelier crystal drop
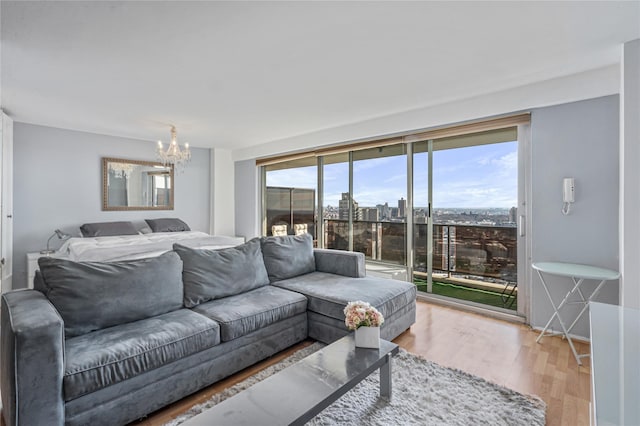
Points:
[[178, 157]]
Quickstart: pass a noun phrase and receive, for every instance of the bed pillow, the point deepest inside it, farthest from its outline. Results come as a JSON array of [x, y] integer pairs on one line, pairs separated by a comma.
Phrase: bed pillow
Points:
[[167, 225], [108, 229], [288, 256], [214, 274], [94, 295]]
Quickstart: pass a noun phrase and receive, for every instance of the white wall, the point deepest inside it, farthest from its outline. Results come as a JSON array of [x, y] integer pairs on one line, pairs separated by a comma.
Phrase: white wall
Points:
[[630, 175], [222, 195], [586, 85], [578, 140], [247, 196], [58, 181]]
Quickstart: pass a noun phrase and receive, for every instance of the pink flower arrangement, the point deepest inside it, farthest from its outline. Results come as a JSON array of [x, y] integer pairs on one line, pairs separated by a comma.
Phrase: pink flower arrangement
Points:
[[361, 314]]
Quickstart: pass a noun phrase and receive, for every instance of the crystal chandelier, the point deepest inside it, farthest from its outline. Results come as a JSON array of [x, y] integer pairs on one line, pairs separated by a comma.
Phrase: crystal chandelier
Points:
[[178, 157], [121, 170]]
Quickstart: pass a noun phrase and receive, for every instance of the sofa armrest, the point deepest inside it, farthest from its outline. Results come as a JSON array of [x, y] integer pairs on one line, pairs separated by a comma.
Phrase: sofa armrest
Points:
[[346, 263], [31, 360]]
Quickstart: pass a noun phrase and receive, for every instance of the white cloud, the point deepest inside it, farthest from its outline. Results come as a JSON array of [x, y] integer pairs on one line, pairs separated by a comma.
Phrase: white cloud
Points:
[[304, 177]]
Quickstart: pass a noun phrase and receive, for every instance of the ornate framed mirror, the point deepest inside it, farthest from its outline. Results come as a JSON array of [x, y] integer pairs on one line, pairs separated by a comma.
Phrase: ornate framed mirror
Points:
[[136, 185]]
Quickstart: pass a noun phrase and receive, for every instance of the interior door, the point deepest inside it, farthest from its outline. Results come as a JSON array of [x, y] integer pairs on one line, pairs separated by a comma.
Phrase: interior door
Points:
[[6, 210]]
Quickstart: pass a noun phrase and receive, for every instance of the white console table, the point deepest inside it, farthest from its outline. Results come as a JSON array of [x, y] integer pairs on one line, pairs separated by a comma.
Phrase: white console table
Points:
[[615, 365], [32, 267]]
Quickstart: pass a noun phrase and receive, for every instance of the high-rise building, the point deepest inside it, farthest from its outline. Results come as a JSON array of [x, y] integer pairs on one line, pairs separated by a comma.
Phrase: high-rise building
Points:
[[383, 211], [370, 214], [513, 214], [343, 207], [402, 208]]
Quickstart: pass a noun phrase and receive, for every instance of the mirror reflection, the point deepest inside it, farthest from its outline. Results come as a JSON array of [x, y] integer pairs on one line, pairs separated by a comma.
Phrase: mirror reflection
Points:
[[136, 185]]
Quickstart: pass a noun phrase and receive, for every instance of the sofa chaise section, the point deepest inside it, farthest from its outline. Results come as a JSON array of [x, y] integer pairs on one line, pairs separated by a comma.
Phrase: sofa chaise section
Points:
[[330, 279], [328, 294]]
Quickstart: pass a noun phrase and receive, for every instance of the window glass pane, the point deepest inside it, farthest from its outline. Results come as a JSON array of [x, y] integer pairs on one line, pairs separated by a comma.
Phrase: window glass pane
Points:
[[380, 203], [420, 213], [336, 201], [291, 198], [278, 210], [303, 207]]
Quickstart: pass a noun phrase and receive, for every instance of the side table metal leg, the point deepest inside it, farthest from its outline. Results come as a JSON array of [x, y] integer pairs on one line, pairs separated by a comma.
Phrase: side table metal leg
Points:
[[566, 335], [556, 309], [586, 305], [556, 314], [385, 378]]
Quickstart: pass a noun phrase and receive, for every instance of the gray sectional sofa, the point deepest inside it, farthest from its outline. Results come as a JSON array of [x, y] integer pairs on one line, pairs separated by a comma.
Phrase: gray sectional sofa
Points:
[[108, 343]]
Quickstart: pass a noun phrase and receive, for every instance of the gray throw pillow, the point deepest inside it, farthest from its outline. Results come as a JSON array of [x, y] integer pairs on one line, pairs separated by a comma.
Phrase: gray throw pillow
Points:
[[214, 274], [93, 295], [107, 229], [288, 256], [167, 225]]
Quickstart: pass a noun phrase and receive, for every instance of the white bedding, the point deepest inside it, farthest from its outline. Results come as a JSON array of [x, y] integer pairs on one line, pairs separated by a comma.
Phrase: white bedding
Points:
[[126, 247]]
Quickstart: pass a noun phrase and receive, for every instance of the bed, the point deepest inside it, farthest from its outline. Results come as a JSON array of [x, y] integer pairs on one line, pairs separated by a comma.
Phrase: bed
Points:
[[127, 247], [115, 241]]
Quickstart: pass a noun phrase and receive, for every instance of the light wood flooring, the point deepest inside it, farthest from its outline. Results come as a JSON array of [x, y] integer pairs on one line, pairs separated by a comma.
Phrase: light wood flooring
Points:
[[499, 351]]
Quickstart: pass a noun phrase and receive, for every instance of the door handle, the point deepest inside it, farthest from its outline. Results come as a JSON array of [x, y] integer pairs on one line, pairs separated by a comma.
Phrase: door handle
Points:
[[521, 225]]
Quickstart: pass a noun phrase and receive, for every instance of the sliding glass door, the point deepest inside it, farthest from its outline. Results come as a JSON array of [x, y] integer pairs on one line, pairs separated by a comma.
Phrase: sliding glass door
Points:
[[465, 212], [440, 212], [380, 203]]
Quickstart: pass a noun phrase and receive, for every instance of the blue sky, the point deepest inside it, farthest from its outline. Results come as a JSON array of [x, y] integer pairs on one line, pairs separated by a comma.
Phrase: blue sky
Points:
[[474, 177]]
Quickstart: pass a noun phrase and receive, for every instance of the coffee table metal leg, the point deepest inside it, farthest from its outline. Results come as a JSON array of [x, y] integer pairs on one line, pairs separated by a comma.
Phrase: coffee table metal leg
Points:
[[385, 378]]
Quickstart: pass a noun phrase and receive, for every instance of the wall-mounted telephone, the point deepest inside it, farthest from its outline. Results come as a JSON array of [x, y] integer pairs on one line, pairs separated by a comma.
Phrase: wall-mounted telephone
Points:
[[568, 194]]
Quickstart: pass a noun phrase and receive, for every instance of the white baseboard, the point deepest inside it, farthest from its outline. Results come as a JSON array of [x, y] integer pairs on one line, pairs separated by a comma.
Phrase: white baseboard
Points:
[[575, 337]]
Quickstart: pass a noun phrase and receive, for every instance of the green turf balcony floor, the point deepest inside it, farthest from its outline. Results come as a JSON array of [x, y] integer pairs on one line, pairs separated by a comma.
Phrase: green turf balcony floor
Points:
[[485, 297]]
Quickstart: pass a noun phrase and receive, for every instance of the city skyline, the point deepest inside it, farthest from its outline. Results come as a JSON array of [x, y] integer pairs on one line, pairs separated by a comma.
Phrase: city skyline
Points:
[[483, 176]]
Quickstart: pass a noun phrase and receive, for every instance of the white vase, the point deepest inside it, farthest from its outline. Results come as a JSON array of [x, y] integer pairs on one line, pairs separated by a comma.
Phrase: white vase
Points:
[[368, 337]]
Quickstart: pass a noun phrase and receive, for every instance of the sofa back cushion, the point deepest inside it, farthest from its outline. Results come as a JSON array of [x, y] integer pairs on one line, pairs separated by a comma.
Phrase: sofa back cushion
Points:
[[214, 274], [93, 295], [288, 256]]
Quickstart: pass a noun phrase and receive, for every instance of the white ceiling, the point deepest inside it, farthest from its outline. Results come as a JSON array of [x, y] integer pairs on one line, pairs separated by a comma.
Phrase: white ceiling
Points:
[[238, 74]]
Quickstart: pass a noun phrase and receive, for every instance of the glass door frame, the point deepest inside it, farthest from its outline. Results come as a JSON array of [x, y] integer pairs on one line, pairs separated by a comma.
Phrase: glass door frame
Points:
[[523, 228]]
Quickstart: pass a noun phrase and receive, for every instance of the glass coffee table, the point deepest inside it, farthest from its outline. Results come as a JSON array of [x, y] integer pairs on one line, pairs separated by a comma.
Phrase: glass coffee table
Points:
[[296, 394]]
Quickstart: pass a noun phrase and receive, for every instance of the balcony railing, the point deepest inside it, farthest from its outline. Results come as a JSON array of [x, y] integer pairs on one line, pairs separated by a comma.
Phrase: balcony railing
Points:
[[473, 250], [470, 262]]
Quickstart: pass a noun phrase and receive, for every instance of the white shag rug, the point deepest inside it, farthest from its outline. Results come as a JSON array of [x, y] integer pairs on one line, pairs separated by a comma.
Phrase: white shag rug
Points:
[[423, 393]]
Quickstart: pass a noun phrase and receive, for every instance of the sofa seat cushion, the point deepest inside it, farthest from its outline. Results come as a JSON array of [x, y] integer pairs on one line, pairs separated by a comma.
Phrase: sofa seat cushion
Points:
[[102, 358], [328, 294], [242, 314]]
